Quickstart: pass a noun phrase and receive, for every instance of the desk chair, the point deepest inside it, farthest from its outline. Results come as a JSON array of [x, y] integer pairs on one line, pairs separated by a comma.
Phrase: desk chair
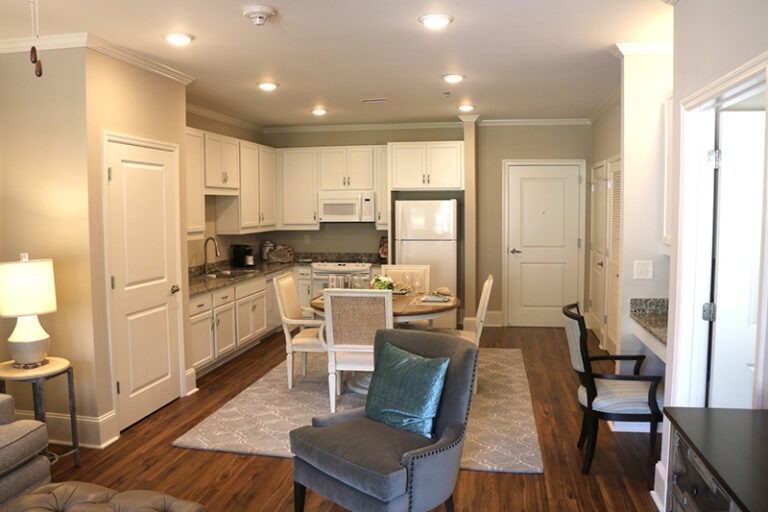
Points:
[[608, 396]]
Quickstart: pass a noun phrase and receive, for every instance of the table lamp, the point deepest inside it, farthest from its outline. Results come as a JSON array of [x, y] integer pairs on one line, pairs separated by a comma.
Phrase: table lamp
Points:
[[27, 289]]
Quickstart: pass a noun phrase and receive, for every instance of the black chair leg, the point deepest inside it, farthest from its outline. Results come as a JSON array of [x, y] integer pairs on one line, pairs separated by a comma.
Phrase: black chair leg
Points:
[[654, 429], [584, 428], [591, 442], [449, 504], [299, 493]]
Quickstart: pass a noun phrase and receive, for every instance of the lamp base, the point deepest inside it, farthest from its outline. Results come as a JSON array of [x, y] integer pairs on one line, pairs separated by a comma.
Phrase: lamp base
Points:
[[30, 366], [28, 352]]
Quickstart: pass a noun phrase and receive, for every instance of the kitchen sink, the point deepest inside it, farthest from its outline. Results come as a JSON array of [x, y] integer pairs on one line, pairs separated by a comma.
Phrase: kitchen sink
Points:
[[229, 274]]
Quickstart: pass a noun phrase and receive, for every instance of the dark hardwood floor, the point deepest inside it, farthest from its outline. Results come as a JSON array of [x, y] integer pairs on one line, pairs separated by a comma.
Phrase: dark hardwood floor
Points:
[[143, 458]]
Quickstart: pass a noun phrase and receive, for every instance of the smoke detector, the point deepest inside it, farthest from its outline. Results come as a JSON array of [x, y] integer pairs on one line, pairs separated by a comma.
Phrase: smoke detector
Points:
[[258, 14]]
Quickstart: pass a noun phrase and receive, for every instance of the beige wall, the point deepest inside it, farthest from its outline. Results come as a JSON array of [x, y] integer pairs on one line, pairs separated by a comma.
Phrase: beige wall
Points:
[[495, 144], [51, 178], [44, 201], [606, 133], [359, 136]]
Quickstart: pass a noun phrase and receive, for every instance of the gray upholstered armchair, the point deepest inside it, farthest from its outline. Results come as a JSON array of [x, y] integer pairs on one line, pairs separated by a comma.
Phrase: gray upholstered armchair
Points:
[[367, 465], [23, 464]]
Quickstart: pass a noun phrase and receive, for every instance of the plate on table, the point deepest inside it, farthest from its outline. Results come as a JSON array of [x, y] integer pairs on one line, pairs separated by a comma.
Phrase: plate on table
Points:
[[435, 298], [399, 292]]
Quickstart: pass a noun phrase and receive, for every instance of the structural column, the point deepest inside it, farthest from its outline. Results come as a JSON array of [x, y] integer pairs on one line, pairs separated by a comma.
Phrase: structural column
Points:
[[470, 214]]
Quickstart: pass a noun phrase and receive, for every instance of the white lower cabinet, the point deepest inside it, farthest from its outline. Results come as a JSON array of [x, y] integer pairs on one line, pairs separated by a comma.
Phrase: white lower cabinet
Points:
[[226, 319], [303, 277]]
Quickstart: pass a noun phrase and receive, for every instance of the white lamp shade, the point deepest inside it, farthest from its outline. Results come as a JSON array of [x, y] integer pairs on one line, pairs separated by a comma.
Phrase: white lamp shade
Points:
[[27, 288]]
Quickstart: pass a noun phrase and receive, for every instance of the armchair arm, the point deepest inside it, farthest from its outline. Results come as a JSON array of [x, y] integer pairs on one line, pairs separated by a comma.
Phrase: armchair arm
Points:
[[434, 467], [339, 417], [304, 322], [638, 359], [7, 413]]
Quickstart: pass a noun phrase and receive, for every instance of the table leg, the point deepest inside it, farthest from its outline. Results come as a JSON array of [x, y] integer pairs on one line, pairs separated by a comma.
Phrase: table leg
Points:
[[73, 416], [38, 399]]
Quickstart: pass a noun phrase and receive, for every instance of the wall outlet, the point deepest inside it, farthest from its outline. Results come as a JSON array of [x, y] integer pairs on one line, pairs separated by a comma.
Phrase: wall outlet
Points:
[[643, 269]]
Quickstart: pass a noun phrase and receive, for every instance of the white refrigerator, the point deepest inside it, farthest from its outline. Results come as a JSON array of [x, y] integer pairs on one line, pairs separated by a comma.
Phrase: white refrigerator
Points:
[[426, 233]]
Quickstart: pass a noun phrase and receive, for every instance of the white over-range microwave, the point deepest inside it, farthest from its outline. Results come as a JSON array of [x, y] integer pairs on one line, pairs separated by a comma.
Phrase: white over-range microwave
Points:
[[346, 206]]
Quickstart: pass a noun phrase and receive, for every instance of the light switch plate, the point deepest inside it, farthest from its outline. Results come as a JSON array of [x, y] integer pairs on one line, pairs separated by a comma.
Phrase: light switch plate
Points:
[[643, 269]]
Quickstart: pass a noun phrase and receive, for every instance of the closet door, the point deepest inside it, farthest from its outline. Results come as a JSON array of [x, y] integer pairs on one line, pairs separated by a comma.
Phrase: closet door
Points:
[[613, 256], [597, 248]]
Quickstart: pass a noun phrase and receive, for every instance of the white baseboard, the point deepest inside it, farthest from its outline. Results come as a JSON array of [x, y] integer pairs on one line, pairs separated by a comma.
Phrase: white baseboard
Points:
[[190, 382], [494, 319], [92, 432], [659, 492]]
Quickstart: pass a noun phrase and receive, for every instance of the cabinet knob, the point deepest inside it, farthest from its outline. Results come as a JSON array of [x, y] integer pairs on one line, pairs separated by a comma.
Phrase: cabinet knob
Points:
[[175, 288]]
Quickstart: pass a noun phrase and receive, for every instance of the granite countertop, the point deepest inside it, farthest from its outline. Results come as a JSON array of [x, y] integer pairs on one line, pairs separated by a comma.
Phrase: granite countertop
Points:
[[651, 314], [199, 283]]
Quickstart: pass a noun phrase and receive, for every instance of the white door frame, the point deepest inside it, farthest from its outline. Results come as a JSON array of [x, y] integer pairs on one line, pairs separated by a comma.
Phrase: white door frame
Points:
[[109, 137], [691, 260], [505, 206]]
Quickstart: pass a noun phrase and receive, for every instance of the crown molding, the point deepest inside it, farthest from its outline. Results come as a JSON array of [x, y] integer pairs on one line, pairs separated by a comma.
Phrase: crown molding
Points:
[[647, 48], [223, 118], [614, 100], [95, 43], [670, 2], [535, 122], [361, 127]]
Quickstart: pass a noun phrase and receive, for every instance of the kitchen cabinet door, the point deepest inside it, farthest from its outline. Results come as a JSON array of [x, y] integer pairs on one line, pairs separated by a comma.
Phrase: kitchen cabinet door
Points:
[[267, 187], [251, 317], [194, 176], [426, 165], [382, 188], [408, 166], [445, 163], [222, 165], [333, 168], [200, 349], [360, 168], [298, 188], [248, 205]]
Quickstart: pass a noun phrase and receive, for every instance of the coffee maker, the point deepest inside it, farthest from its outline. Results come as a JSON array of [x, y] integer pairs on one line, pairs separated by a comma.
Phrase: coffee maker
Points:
[[241, 256]]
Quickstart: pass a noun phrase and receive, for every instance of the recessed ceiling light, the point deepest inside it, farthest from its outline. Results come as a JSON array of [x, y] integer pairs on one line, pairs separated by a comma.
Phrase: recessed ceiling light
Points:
[[466, 108], [319, 111], [453, 79], [268, 86], [179, 39], [435, 21]]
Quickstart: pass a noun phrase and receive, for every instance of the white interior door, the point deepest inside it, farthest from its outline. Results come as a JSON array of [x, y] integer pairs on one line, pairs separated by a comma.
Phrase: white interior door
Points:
[[597, 248], [739, 228], [143, 261], [543, 224], [611, 305]]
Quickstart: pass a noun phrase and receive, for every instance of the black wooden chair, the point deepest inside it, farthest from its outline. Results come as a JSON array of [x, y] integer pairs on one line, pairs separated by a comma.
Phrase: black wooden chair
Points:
[[609, 397]]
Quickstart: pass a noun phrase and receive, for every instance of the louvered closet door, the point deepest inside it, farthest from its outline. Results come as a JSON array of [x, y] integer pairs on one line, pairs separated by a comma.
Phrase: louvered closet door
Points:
[[613, 256]]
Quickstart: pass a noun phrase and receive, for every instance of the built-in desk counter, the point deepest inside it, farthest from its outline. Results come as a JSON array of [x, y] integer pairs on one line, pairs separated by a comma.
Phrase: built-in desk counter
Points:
[[650, 324]]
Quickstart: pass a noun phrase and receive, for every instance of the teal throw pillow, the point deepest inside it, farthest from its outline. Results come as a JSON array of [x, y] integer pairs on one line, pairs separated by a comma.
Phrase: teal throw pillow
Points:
[[405, 390]]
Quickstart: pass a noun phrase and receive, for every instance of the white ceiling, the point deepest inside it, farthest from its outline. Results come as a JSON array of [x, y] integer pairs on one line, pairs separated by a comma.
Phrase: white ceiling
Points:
[[523, 59]]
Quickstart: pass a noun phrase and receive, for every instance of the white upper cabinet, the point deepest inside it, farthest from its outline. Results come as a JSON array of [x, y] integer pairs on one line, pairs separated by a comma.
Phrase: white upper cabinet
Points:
[[346, 168], [297, 182], [194, 152], [222, 165], [382, 187], [426, 165], [253, 209]]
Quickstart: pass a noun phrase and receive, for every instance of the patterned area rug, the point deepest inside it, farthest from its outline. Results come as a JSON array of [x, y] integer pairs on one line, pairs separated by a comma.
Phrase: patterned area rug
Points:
[[501, 435]]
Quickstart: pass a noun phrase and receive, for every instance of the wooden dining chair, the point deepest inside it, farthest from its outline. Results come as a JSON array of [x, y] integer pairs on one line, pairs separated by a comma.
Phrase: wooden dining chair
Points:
[[352, 318], [292, 316]]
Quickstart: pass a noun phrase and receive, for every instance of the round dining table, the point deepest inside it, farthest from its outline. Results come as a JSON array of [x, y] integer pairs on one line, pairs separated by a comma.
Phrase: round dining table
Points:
[[407, 307]]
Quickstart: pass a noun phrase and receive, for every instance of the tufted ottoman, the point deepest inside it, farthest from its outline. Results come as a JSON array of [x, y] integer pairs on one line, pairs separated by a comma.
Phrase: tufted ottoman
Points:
[[85, 497]]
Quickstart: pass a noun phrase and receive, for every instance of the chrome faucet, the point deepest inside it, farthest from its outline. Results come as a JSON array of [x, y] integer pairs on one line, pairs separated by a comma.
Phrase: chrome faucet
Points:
[[205, 252]]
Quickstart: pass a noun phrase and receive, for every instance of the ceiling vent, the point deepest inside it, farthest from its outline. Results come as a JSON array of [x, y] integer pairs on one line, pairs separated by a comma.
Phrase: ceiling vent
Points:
[[258, 14], [374, 100]]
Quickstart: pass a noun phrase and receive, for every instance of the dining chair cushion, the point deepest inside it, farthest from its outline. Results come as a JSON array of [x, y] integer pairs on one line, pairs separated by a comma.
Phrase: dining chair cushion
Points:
[[405, 389], [362, 453], [307, 338], [620, 396]]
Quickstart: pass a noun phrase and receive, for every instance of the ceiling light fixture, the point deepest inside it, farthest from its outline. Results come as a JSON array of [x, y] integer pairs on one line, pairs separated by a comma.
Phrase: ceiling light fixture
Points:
[[319, 111], [268, 86], [259, 14], [435, 21], [179, 39], [453, 79], [466, 108]]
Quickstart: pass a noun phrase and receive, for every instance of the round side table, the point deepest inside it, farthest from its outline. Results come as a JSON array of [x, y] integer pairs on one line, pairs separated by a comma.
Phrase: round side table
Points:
[[37, 376]]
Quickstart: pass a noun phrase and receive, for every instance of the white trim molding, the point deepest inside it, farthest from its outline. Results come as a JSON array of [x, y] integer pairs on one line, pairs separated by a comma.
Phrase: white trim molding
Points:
[[96, 43], [362, 127], [223, 118], [649, 48], [535, 122]]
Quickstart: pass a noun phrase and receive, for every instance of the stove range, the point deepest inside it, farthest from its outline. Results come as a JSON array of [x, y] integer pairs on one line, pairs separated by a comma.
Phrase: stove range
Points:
[[340, 268]]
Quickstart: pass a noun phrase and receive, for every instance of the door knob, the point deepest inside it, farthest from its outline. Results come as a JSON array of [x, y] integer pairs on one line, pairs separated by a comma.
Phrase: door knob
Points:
[[175, 288], [515, 251]]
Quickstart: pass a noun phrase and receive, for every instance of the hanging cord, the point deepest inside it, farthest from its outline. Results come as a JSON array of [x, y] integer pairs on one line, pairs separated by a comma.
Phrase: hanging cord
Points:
[[33, 57]]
